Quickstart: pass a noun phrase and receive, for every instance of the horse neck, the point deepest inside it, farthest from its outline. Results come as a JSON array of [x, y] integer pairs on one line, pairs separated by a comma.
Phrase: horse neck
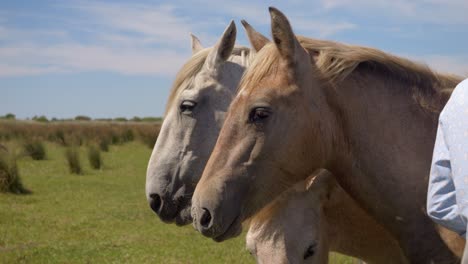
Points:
[[353, 232], [383, 129], [384, 155]]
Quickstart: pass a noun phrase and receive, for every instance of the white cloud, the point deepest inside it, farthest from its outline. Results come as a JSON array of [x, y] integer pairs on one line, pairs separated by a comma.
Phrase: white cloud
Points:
[[449, 64], [21, 35], [127, 38], [12, 71], [122, 38], [452, 64], [319, 28], [99, 58], [70, 57], [304, 20], [131, 38], [444, 12], [150, 24]]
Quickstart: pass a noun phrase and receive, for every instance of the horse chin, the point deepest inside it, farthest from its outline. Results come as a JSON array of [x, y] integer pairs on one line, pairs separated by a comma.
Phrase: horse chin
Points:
[[184, 217], [234, 230]]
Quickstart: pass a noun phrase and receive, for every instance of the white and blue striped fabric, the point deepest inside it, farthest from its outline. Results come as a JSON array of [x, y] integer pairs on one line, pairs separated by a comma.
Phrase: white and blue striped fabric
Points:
[[447, 198]]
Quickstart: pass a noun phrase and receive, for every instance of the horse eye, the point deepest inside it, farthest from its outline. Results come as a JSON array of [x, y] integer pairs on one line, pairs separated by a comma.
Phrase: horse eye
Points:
[[259, 114], [186, 107], [309, 252]]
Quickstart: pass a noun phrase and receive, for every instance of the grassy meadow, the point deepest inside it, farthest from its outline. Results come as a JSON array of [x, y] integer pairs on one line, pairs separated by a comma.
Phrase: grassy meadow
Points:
[[99, 215]]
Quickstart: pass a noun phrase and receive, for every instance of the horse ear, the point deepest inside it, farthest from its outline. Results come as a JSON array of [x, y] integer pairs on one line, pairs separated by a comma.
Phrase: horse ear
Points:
[[283, 36], [196, 44], [223, 48], [256, 39], [321, 183]]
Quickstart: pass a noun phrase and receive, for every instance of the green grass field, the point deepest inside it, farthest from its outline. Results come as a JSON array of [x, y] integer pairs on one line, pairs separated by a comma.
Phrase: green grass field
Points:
[[99, 217]]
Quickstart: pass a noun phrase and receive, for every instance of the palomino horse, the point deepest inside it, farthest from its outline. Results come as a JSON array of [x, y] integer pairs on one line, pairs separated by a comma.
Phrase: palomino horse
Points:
[[200, 96], [314, 217], [368, 117]]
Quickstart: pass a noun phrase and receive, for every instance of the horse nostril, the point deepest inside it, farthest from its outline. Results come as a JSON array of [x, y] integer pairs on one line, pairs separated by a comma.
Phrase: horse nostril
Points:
[[205, 218], [155, 202]]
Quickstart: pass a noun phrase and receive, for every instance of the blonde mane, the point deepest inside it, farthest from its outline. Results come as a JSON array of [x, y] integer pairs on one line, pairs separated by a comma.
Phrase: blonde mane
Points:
[[336, 61], [194, 65]]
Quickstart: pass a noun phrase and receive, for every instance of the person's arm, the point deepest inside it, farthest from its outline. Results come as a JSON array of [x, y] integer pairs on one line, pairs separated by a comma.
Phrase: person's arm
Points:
[[455, 125], [441, 196]]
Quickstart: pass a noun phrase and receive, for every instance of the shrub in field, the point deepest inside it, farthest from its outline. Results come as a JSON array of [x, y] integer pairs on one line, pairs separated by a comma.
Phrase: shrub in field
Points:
[[148, 135], [40, 119], [94, 157], [35, 149], [60, 137], [128, 135], [115, 139], [9, 177], [5, 136], [149, 139], [104, 144], [120, 119], [74, 139], [82, 118], [73, 158]]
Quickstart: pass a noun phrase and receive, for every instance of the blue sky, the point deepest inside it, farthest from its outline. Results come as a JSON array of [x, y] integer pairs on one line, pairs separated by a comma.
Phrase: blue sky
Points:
[[118, 58]]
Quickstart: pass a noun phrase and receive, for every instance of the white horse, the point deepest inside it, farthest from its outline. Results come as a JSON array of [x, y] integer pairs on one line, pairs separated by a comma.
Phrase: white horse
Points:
[[314, 217], [199, 99]]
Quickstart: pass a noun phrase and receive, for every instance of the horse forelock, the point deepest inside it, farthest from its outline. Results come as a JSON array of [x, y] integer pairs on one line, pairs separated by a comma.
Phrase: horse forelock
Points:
[[240, 55], [265, 63]]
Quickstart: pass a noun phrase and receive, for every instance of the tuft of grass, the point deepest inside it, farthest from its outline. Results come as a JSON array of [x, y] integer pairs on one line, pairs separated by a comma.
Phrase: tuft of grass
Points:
[[73, 158], [74, 139], [149, 136], [94, 157], [115, 139], [127, 135], [35, 149], [9, 177], [149, 140], [104, 144], [59, 136]]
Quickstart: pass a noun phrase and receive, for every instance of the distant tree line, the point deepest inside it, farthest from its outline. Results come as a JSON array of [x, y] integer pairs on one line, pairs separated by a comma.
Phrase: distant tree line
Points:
[[84, 118], [8, 116]]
